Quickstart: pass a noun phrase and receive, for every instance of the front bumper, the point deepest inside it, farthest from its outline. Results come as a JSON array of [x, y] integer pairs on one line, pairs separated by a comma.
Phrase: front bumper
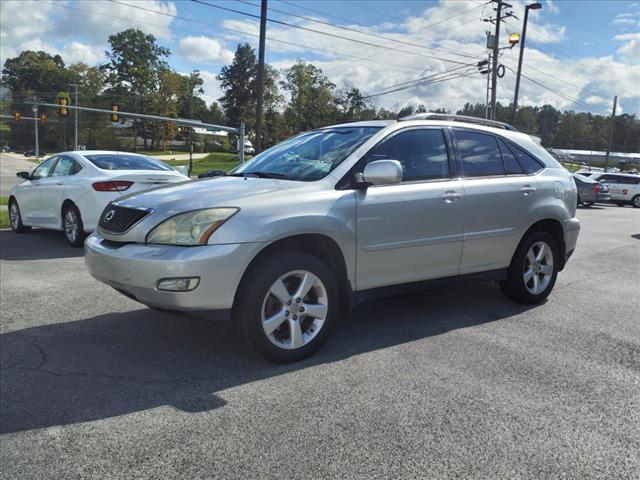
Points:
[[134, 269]]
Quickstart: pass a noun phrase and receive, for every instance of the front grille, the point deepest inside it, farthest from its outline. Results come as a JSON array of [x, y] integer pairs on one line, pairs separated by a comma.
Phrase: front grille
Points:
[[115, 219]]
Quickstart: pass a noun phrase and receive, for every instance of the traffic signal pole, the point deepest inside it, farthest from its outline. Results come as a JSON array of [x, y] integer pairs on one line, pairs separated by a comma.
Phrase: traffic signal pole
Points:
[[35, 126]]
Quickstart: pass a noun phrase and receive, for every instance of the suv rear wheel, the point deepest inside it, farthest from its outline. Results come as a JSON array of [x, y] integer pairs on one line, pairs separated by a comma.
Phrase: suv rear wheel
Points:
[[533, 270], [286, 306]]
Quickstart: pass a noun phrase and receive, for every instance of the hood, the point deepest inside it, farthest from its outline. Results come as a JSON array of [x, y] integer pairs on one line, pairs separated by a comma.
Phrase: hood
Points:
[[206, 193]]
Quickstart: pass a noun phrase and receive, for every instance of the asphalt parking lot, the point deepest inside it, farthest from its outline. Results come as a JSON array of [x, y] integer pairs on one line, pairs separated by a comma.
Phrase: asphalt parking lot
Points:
[[449, 383]]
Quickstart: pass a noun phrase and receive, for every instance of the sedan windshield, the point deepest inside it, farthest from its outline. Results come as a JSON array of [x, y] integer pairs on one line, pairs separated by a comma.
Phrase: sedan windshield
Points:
[[123, 161], [308, 156]]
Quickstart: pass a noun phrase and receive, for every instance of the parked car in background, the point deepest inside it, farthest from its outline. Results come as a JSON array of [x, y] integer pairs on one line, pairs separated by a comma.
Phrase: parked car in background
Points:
[[69, 191], [286, 242], [624, 187], [590, 191], [31, 152]]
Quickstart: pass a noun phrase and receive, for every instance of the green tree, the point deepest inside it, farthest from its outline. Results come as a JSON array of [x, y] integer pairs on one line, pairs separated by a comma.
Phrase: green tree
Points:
[[312, 102], [136, 63], [240, 93]]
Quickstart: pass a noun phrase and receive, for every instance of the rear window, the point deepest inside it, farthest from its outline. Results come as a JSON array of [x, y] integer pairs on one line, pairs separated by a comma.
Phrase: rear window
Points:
[[530, 164], [122, 161]]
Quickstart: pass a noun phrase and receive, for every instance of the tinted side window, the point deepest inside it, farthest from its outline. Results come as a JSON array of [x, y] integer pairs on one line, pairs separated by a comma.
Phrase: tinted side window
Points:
[[64, 167], [422, 153], [629, 180], [610, 179], [511, 164], [530, 164], [479, 154], [43, 169]]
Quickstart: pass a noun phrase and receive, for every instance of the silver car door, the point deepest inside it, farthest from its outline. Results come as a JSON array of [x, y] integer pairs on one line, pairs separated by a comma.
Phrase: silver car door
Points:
[[413, 230]]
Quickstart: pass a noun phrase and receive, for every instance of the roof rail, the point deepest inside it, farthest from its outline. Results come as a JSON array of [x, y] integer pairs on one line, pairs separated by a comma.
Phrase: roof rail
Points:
[[458, 118]]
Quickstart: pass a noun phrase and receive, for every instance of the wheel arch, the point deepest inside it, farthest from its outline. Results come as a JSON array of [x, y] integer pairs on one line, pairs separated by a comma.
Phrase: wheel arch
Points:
[[321, 246], [554, 228]]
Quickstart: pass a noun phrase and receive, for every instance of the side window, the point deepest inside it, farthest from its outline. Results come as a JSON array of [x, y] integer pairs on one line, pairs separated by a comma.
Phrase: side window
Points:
[[64, 167], [610, 179], [511, 164], [43, 169], [530, 164], [479, 154], [422, 153], [629, 180]]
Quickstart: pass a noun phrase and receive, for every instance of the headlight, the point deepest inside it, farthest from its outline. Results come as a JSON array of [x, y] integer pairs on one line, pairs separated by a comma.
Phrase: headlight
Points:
[[191, 228]]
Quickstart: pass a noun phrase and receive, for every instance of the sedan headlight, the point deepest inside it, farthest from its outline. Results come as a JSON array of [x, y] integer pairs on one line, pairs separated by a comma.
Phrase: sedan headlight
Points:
[[190, 228]]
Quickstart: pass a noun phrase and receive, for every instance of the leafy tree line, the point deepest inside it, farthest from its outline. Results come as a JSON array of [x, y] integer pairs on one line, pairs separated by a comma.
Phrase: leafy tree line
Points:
[[138, 78]]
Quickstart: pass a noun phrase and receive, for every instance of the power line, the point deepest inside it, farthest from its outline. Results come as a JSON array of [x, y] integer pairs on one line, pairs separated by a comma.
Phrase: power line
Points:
[[362, 42], [450, 76], [374, 35], [241, 32]]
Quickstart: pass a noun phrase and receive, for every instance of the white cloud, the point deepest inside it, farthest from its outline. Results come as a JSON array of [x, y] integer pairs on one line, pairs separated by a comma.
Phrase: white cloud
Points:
[[552, 7], [79, 52], [204, 50], [211, 86], [630, 51]]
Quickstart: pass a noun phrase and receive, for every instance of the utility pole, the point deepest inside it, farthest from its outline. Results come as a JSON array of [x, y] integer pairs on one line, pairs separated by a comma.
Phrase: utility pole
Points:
[[35, 125], [263, 29], [76, 113], [611, 130], [494, 64], [533, 6], [495, 47]]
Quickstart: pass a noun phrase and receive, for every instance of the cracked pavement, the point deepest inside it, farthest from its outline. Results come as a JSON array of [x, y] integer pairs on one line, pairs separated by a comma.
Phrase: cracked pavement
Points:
[[447, 383]]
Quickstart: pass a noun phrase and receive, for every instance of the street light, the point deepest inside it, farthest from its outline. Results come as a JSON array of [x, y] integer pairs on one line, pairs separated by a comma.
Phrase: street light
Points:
[[533, 6]]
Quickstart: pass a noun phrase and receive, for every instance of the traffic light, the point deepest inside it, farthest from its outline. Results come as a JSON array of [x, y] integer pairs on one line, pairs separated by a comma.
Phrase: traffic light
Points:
[[16, 116], [43, 118], [63, 111], [114, 116]]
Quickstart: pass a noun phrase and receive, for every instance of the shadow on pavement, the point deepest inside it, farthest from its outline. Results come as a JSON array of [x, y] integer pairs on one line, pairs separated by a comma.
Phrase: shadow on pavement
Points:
[[115, 364], [36, 245]]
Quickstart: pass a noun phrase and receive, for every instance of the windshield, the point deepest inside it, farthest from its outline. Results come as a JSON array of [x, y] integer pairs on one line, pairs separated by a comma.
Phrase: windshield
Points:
[[123, 161], [308, 156]]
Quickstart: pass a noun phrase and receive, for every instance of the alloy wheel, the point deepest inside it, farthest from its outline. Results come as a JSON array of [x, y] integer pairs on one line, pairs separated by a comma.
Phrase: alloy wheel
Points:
[[14, 215], [538, 267], [294, 309], [71, 225]]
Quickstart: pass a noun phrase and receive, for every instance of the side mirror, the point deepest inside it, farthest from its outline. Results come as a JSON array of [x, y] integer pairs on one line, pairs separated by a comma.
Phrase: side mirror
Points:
[[25, 175], [382, 172]]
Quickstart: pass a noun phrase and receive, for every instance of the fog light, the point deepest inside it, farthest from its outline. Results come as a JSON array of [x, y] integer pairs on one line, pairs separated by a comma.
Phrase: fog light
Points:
[[178, 284]]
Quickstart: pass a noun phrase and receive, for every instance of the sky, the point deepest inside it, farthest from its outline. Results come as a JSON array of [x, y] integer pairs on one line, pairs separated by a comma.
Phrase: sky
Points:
[[578, 55]]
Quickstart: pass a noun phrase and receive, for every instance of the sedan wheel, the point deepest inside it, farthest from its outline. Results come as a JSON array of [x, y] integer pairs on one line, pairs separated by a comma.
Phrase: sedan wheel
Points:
[[15, 219], [72, 226]]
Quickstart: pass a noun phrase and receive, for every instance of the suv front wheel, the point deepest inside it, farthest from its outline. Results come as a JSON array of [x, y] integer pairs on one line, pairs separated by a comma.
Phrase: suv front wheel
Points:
[[286, 306], [533, 270]]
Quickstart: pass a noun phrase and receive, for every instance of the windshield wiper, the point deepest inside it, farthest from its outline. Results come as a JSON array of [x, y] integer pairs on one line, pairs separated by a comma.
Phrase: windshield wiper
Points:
[[259, 175]]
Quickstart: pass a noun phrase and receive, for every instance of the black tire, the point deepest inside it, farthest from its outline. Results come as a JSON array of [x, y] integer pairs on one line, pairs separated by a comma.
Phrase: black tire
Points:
[[636, 201], [587, 205], [620, 204], [76, 240], [514, 287], [578, 202], [252, 297], [16, 224]]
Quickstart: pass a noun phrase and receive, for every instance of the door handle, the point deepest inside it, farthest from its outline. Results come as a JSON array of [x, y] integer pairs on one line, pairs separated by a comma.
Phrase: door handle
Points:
[[528, 190], [451, 196]]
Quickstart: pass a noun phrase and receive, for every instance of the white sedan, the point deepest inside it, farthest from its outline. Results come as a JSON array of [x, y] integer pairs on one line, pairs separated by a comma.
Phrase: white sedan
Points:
[[70, 190]]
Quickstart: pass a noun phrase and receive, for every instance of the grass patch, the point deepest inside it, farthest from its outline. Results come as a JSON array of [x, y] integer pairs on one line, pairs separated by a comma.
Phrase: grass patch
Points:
[[4, 218], [4, 201], [213, 161]]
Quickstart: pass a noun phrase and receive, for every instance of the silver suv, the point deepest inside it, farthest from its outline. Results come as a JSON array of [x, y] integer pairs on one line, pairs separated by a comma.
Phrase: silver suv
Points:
[[286, 243]]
